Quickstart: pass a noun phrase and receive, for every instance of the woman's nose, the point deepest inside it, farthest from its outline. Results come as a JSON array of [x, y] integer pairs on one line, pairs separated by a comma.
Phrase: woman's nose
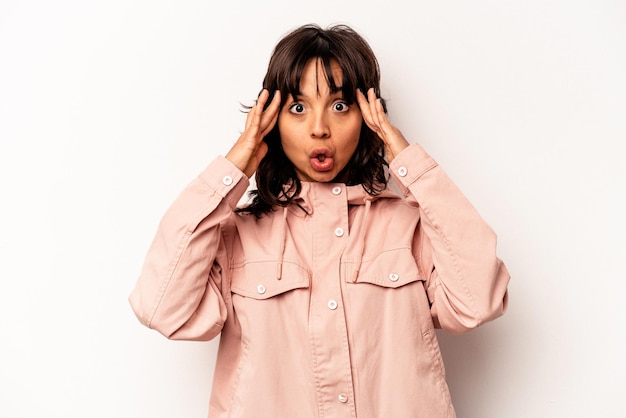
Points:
[[319, 127]]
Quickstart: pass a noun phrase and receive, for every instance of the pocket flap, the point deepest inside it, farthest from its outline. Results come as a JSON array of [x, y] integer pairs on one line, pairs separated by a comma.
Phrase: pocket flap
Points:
[[391, 268], [257, 279]]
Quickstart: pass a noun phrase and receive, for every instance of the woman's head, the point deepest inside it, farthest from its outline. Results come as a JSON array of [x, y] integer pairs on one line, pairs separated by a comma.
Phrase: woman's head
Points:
[[318, 72]]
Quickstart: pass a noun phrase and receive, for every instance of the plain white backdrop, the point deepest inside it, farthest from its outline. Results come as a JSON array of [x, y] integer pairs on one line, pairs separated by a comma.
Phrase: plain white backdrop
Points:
[[109, 108]]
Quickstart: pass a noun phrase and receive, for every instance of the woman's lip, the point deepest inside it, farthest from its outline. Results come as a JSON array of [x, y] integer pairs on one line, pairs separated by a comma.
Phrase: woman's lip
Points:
[[322, 164], [321, 151]]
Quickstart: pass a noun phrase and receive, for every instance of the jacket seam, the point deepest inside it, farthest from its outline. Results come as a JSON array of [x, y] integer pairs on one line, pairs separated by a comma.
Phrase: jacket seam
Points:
[[165, 283], [184, 244], [457, 269]]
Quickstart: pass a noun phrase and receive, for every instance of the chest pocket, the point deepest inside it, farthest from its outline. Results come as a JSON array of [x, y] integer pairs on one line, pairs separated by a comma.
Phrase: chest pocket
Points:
[[257, 279], [391, 268]]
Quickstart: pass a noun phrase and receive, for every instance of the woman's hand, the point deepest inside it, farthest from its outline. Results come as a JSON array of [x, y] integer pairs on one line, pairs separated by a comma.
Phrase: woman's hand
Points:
[[250, 149], [376, 119]]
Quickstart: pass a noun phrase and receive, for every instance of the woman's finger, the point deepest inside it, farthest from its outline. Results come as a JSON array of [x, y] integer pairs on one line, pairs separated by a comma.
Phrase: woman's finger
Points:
[[370, 106], [373, 102], [254, 115], [270, 115], [366, 110]]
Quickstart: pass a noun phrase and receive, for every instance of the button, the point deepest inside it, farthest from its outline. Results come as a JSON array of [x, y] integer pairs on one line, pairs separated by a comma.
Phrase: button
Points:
[[394, 277], [402, 171], [343, 398], [332, 304], [261, 289], [336, 190], [339, 232], [227, 180]]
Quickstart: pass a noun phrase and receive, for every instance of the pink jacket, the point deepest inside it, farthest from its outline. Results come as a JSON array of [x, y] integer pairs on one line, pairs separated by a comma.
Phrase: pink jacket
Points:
[[326, 308]]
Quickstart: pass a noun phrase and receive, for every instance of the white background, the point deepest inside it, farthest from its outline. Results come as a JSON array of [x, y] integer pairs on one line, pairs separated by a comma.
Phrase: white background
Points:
[[108, 108]]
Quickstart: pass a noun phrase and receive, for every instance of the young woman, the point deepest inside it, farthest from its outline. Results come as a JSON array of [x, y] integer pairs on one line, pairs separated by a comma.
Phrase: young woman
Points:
[[325, 289]]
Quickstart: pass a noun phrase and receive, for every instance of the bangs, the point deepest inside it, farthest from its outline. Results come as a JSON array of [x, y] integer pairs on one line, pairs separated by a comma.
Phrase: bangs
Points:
[[293, 76], [288, 63]]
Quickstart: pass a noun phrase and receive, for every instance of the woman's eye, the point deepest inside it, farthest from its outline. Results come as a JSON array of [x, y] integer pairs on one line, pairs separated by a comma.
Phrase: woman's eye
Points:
[[340, 107], [296, 108]]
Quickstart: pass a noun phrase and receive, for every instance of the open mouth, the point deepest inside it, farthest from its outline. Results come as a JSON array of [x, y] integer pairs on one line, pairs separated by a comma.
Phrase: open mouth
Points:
[[321, 159]]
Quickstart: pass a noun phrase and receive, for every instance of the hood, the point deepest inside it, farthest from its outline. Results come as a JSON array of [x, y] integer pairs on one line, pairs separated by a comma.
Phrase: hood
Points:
[[356, 196], [302, 206]]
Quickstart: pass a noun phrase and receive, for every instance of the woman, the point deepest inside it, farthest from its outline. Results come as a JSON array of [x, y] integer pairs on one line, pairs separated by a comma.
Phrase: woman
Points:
[[325, 289]]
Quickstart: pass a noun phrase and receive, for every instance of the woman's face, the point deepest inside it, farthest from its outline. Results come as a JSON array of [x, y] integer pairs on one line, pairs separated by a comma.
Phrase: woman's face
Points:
[[319, 131]]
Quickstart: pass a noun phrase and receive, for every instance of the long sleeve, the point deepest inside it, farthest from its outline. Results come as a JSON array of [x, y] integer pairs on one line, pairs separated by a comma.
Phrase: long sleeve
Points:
[[455, 249], [178, 291]]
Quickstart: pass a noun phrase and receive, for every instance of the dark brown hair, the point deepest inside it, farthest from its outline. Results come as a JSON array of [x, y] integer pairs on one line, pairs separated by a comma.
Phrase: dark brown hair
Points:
[[276, 178]]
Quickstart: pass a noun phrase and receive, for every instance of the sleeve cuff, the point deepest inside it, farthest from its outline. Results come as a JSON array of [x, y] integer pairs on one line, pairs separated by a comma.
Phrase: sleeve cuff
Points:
[[411, 164], [226, 180]]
